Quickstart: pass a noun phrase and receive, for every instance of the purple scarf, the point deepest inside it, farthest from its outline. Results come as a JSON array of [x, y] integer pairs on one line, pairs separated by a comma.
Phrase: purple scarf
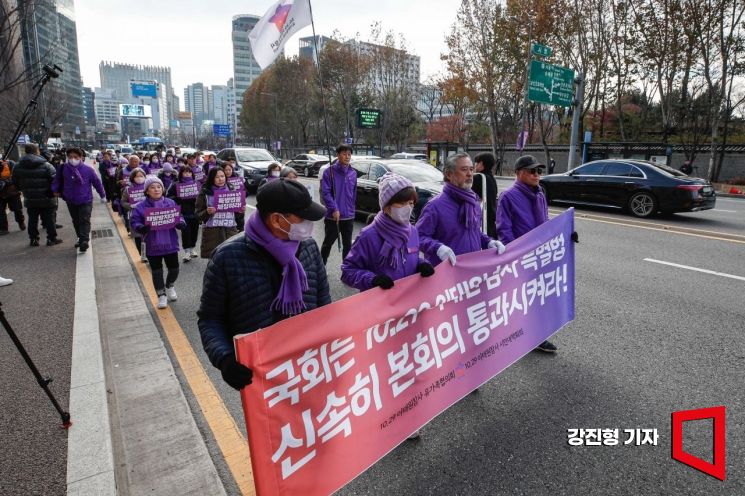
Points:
[[470, 206], [537, 200], [395, 237], [289, 300], [75, 172]]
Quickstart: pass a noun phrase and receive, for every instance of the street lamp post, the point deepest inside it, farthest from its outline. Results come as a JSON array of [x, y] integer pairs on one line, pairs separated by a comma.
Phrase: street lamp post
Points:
[[273, 95]]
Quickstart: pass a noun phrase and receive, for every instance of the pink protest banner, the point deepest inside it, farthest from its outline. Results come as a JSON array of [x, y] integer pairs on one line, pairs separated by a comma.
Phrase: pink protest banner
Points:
[[161, 219], [136, 194], [187, 191], [337, 388], [230, 201]]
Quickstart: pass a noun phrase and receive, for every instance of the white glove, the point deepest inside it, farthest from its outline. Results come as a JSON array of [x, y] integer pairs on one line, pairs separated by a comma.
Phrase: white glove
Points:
[[445, 253], [103, 200], [498, 245]]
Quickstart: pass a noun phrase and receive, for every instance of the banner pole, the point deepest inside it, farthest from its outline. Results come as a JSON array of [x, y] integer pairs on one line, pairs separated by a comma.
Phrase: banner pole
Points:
[[320, 81]]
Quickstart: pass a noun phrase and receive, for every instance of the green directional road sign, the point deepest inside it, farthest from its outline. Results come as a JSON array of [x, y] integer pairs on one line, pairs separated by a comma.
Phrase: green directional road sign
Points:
[[541, 50], [550, 84]]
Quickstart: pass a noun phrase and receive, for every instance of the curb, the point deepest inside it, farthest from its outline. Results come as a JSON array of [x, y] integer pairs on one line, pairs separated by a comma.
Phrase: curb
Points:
[[90, 461]]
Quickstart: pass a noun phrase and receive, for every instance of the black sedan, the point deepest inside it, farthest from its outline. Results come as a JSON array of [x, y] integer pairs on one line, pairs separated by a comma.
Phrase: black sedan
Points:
[[427, 180], [307, 164], [641, 187]]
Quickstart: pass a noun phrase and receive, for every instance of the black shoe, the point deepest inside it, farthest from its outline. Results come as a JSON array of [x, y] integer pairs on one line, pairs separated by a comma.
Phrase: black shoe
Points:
[[77, 243], [59, 226], [3, 233], [22, 225], [546, 347], [34, 242], [83, 247], [54, 241]]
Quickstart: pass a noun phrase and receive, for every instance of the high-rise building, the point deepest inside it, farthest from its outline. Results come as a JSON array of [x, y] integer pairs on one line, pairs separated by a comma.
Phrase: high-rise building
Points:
[[245, 67], [308, 47], [106, 107], [196, 101], [231, 105], [117, 76], [219, 100], [89, 107], [408, 68], [49, 36]]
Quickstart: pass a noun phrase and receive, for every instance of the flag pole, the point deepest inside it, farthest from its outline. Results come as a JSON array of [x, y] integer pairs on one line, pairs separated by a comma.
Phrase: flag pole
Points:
[[320, 80]]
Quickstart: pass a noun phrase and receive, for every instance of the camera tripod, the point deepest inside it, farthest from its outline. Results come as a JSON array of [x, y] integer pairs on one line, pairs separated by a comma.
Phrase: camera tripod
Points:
[[44, 383]]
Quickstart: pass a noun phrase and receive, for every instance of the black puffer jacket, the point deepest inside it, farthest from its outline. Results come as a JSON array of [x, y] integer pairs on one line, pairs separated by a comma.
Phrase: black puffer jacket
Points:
[[33, 176], [240, 283]]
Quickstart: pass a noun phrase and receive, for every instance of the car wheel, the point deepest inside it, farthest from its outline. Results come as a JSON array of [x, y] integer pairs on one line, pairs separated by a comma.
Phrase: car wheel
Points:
[[642, 204]]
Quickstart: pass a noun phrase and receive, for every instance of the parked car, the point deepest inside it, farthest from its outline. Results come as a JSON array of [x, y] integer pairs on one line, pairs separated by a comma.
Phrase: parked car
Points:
[[354, 158], [307, 164], [427, 180], [252, 164], [407, 156], [641, 187]]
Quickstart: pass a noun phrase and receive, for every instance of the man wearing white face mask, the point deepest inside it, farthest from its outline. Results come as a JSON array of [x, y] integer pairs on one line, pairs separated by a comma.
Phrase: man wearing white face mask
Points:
[[271, 272], [387, 249], [450, 224], [73, 182]]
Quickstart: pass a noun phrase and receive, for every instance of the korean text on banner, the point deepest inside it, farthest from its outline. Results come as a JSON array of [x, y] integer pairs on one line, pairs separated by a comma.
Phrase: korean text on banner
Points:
[[161, 219], [337, 388], [230, 201], [187, 191], [135, 194], [277, 25]]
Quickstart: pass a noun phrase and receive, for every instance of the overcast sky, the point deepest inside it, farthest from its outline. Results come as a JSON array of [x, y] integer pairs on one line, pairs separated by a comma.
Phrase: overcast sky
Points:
[[192, 37]]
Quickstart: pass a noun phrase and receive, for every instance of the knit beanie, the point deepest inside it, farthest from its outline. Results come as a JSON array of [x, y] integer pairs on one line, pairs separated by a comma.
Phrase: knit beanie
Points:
[[150, 180], [390, 184], [167, 167]]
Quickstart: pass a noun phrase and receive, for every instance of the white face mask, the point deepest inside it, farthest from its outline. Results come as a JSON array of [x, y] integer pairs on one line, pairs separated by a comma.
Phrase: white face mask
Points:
[[139, 180], [146, 162], [299, 232], [401, 214], [274, 173], [75, 161]]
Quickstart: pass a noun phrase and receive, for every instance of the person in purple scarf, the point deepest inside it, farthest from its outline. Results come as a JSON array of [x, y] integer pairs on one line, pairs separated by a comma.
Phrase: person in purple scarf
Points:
[[450, 224], [523, 207], [161, 244], [218, 226], [273, 171], [167, 175], [387, 249], [268, 274], [339, 194], [155, 164], [73, 183]]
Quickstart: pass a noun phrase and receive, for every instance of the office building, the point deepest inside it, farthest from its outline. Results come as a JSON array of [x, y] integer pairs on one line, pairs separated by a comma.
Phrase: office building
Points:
[[106, 108], [308, 47], [196, 101], [118, 76], [89, 107], [49, 36], [219, 107]]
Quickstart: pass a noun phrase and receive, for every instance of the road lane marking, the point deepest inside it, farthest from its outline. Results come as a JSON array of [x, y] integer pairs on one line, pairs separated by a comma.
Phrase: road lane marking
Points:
[[686, 231], [728, 211], [230, 439], [696, 269]]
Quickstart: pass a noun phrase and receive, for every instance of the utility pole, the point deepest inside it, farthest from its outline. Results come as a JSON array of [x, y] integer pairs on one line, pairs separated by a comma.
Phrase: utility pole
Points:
[[276, 115], [576, 117]]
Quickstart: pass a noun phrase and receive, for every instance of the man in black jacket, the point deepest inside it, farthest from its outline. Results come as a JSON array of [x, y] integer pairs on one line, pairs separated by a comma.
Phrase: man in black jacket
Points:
[[484, 167], [33, 175], [272, 271]]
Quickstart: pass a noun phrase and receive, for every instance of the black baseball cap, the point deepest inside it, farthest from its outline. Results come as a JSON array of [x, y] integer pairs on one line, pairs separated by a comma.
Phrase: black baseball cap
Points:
[[528, 162], [285, 196]]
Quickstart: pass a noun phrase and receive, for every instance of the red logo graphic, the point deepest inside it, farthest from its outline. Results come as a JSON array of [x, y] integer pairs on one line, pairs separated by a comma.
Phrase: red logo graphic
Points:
[[280, 16], [716, 469]]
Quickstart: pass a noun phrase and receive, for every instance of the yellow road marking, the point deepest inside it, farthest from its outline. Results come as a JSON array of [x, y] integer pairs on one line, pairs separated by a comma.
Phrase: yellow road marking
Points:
[[230, 439], [663, 227]]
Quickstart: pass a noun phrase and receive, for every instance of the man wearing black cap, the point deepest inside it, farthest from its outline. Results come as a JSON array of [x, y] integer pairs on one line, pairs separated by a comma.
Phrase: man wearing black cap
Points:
[[268, 273], [522, 207]]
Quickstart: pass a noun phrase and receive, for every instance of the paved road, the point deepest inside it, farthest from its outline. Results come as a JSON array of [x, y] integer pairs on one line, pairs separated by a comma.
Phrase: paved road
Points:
[[649, 339], [39, 306]]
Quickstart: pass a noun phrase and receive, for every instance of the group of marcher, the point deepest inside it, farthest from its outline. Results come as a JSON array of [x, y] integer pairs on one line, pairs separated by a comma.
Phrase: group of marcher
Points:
[[275, 270]]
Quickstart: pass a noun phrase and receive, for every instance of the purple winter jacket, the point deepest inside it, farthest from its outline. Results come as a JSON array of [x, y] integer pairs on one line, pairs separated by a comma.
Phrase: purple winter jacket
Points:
[[363, 263], [344, 195], [157, 243], [520, 209], [438, 225], [74, 183]]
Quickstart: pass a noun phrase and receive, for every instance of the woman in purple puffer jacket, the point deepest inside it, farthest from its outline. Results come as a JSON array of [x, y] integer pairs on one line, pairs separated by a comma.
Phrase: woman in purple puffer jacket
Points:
[[161, 243]]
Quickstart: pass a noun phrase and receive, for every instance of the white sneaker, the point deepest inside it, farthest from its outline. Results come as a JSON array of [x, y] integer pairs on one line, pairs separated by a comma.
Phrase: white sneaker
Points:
[[414, 436], [5, 282], [143, 257], [171, 293], [187, 256], [193, 253], [162, 301]]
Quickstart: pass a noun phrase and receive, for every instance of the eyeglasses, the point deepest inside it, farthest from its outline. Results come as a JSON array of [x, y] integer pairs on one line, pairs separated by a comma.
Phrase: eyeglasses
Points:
[[535, 172]]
